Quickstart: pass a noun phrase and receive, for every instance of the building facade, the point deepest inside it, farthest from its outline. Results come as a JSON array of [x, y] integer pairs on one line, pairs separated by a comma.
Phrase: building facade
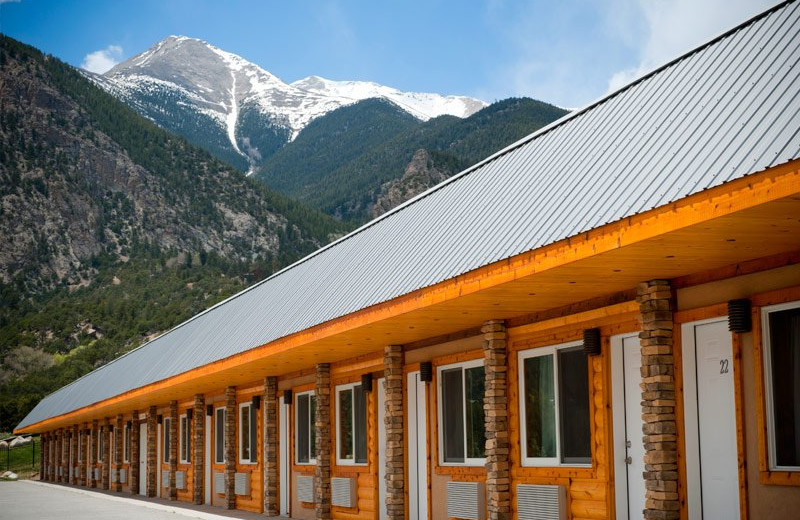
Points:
[[601, 321]]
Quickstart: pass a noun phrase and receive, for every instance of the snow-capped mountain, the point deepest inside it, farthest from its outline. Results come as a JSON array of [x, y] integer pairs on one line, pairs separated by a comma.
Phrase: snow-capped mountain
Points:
[[236, 109]]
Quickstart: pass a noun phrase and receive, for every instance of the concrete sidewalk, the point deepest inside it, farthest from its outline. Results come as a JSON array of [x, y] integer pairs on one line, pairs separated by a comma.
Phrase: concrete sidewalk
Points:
[[33, 500]]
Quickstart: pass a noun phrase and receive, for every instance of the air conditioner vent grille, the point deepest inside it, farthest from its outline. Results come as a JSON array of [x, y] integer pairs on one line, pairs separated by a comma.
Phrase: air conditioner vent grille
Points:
[[535, 502]]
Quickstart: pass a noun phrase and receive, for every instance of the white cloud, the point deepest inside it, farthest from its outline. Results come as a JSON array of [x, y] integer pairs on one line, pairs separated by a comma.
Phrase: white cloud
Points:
[[101, 61], [674, 27]]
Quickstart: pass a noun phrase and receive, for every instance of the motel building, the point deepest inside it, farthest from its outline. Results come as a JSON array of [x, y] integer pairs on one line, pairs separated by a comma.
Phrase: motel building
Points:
[[600, 321]]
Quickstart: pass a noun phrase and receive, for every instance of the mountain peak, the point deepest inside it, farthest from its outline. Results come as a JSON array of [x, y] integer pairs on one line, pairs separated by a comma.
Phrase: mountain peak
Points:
[[239, 111]]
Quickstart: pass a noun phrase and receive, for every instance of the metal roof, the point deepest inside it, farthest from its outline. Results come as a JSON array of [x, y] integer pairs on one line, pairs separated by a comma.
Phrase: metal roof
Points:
[[720, 112]]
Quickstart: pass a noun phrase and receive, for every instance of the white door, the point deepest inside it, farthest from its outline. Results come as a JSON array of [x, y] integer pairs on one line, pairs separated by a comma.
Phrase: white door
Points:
[[709, 400], [143, 459], [417, 449], [626, 359], [383, 514], [283, 440], [207, 465]]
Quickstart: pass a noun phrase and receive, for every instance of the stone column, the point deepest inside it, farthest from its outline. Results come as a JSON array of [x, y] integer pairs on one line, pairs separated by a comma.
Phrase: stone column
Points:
[[658, 401], [495, 406], [73, 455], [322, 421], [173, 448], [105, 470], [93, 453], [230, 447], [134, 467], [395, 456], [82, 454], [118, 439], [198, 445], [152, 439], [269, 412]]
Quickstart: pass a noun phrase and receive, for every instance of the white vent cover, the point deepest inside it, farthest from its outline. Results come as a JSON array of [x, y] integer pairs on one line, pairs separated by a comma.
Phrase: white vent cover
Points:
[[219, 482], [541, 502], [71, 472], [97, 473], [164, 478], [123, 476], [466, 500], [343, 492], [305, 488], [180, 480], [241, 484], [114, 479]]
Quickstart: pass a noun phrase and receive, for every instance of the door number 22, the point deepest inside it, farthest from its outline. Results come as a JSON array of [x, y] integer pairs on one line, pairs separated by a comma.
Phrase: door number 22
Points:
[[723, 366]]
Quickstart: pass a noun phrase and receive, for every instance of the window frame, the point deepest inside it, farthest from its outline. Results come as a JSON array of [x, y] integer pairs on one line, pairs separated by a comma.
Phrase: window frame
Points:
[[526, 461], [464, 366], [219, 428], [166, 435], [253, 459], [126, 444], [184, 439], [101, 440], [766, 350], [350, 387], [312, 461]]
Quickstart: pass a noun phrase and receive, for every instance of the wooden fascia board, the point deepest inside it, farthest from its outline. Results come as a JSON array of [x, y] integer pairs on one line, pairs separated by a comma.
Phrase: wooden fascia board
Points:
[[753, 190]]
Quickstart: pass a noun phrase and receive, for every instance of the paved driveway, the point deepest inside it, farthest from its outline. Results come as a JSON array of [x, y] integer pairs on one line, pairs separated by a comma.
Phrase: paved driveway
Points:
[[29, 500]]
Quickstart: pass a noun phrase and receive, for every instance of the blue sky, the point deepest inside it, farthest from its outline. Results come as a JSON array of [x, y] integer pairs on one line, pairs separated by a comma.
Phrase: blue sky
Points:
[[567, 52]]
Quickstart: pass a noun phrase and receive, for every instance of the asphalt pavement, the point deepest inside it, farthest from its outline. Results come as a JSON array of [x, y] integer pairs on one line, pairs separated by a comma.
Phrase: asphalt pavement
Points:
[[33, 500]]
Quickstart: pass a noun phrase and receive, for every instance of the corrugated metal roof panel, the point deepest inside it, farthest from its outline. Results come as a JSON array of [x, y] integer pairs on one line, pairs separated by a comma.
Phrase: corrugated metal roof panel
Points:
[[723, 111]]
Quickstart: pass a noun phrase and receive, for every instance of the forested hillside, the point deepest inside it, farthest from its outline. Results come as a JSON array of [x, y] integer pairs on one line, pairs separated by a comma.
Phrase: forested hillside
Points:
[[349, 189], [114, 230]]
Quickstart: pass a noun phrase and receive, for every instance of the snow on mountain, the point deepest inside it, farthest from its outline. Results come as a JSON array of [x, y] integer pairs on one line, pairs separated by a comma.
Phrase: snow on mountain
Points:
[[421, 105], [236, 108]]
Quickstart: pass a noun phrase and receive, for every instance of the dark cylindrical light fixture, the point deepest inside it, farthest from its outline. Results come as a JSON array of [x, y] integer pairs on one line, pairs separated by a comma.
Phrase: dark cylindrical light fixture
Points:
[[256, 402], [591, 341], [209, 410], [366, 382], [160, 419], [130, 424], [189, 413], [426, 371], [287, 396], [739, 317]]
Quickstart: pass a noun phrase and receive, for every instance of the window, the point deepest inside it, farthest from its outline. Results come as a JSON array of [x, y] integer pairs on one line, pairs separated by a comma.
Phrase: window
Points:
[[167, 433], [554, 400], [351, 424], [79, 450], [782, 382], [305, 446], [219, 436], [101, 444], [111, 449], [183, 435], [248, 446], [462, 437]]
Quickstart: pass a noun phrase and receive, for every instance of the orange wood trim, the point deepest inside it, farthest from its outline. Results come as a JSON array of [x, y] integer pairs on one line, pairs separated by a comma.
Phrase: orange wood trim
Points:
[[611, 311], [680, 418], [360, 364], [737, 195], [738, 382], [701, 313], [788, 294], [740, 269]]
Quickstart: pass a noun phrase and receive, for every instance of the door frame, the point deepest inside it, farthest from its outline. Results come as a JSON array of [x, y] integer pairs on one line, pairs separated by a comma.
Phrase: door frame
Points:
[[686, 354], [419, 466], [207, 465], [619, 425], [283, 457]]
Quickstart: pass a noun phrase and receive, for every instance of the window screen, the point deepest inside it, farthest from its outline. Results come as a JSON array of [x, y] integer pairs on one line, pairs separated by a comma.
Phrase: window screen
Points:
[[784, 351]]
